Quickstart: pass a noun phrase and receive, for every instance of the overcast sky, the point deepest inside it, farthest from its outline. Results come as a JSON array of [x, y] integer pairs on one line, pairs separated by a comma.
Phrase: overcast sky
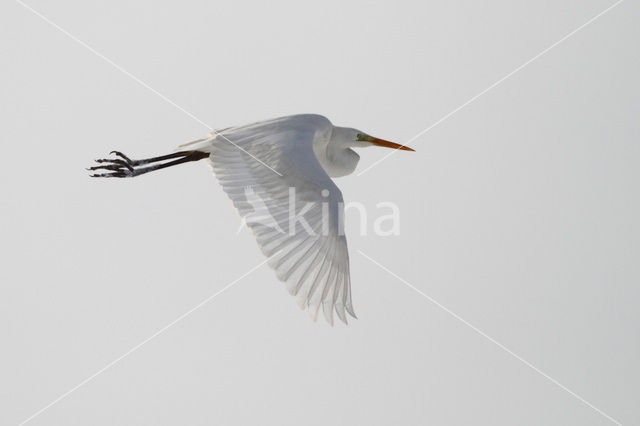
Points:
[[519, 214]]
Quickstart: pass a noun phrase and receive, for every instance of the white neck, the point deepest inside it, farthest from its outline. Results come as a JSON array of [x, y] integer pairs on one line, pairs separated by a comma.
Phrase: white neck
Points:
[[333, 151]]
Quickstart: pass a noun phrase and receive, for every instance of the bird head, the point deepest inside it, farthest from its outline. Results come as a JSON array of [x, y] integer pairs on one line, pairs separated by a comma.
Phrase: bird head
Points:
[[339, 159], [358, 139]]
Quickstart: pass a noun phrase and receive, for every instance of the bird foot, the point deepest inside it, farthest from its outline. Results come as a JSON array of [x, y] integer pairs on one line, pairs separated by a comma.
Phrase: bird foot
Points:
[[118, 167]]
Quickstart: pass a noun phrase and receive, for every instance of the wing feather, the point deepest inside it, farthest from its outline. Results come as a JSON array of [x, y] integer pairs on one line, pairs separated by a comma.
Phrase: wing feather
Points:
[[309, 256]]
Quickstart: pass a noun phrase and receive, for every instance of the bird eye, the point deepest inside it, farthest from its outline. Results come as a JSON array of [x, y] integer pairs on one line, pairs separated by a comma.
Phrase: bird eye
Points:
[[362, 137]]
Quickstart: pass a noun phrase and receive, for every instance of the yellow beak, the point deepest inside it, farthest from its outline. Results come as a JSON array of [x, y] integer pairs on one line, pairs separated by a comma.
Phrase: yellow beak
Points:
[[387, 144]]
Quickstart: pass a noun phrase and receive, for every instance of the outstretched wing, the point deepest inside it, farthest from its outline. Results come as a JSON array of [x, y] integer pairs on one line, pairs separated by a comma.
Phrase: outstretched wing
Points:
[[270, 172]]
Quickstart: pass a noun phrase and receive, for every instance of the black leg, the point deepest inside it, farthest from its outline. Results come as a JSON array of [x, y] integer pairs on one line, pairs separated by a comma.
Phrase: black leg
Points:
[[125, 167], [148, 160]]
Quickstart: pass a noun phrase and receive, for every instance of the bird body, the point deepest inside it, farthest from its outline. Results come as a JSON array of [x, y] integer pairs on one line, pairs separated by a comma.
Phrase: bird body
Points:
[[281, 170], [336, 159]]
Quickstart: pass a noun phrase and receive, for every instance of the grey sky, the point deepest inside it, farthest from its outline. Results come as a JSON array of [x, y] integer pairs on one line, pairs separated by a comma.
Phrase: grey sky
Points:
[[519, 213]]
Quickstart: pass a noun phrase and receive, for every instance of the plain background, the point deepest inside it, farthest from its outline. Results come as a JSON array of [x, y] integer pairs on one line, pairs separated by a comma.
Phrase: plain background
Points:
[[519, 213]]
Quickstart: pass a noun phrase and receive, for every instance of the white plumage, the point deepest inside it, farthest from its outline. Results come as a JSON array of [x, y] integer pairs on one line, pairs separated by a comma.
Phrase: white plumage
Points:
[[277, 174], [314, 265]]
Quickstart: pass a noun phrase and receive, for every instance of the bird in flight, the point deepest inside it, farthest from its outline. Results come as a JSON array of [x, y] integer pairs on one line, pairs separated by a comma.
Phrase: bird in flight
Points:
[[278, 175]]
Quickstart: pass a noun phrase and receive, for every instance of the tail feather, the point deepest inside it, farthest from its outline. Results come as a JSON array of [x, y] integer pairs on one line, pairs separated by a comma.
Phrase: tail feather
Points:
[[198, 145]]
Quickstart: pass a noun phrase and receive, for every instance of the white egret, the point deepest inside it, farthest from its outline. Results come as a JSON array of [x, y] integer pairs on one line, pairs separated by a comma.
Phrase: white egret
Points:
[[286, 164]]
